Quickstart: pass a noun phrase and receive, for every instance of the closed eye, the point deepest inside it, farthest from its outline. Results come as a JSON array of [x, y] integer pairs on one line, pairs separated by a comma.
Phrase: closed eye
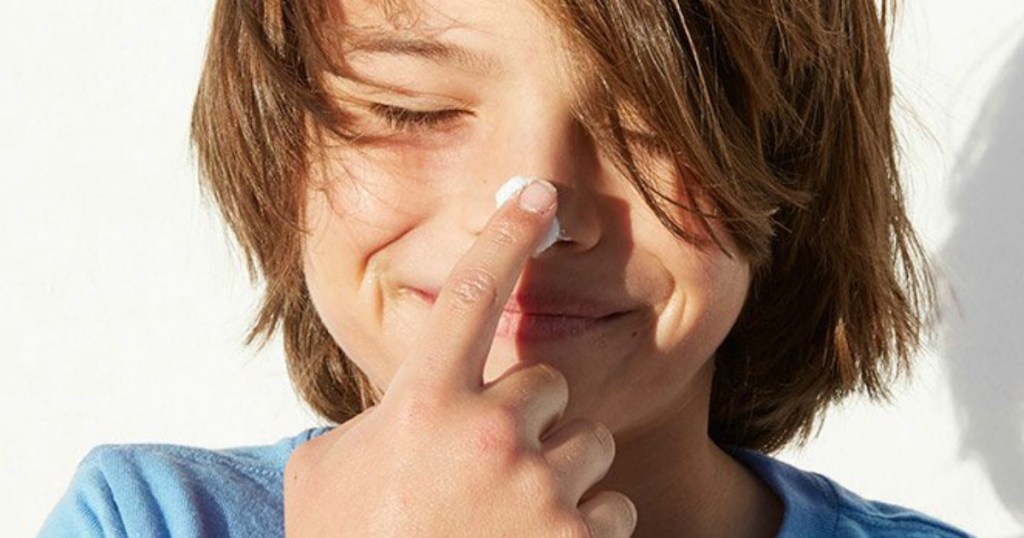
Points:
[[406, 120]]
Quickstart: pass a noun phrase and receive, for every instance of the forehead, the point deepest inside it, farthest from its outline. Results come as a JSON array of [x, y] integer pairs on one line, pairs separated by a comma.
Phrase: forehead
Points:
[[504, 25], [430, 15], [511, 43]]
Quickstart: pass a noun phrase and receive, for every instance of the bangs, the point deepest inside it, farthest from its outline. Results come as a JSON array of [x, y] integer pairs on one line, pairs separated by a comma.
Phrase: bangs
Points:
[[643, 86]]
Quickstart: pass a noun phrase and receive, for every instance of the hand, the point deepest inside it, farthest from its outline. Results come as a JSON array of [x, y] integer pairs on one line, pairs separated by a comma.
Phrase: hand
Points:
[[442, 455]]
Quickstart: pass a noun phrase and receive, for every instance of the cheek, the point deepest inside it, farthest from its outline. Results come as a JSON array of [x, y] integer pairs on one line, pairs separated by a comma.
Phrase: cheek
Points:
[[723, 290], [413, 162], [360, 210], [708, 292], [372, 202], [374, 195], [332, 271]]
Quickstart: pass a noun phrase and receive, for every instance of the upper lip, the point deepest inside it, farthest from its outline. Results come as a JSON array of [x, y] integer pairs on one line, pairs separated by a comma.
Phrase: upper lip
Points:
[[554, 302]]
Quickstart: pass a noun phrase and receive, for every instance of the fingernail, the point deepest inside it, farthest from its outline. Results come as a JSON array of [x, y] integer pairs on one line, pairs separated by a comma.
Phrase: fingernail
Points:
[[538, 196], [509, 189]]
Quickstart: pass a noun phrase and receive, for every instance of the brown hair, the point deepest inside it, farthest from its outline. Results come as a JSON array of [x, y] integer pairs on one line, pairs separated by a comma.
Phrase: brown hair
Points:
[[777, 113]]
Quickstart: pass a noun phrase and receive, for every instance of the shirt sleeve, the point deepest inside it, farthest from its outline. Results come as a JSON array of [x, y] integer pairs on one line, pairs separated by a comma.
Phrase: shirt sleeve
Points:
[[88, 508], [160, 491]]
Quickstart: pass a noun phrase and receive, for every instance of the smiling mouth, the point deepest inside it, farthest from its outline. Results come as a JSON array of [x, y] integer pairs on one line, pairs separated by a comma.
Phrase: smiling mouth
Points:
[[521, 326]]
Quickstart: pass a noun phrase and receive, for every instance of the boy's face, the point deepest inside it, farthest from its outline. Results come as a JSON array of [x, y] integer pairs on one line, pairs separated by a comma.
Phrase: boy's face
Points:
[[404, 203]]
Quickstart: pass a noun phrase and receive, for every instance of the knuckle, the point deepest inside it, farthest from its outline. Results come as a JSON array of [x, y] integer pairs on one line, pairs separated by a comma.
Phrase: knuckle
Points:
[[417, 410], [600, 433], [495, 436], [575, 527], [506, 233], [542, 481], [625, 510], [474, 286], [552, 377], [604, 437]]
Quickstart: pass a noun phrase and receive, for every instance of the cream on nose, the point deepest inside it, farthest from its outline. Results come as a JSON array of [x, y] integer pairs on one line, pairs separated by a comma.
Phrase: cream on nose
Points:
[[512, 187]]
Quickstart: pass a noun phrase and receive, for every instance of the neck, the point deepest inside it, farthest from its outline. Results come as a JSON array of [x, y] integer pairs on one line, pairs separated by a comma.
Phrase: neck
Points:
[[683, 484]]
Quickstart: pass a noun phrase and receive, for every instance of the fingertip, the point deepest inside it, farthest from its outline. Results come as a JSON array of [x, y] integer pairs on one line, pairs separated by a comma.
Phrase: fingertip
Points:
[[534, 194], [538, 196], [510, 189]]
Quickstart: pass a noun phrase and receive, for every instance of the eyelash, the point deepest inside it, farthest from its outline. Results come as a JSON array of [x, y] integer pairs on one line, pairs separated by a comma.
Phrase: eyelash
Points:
[[406, 120]]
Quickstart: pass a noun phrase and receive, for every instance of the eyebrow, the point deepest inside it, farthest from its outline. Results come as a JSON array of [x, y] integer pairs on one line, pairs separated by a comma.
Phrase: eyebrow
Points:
[[430, 49]]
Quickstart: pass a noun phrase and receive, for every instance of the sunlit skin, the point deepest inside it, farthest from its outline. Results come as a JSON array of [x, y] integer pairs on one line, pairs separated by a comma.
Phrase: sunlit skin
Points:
[[402, 205]]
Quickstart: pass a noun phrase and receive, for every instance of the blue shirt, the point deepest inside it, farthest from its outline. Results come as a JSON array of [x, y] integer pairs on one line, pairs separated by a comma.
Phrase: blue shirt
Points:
[[154, 490]]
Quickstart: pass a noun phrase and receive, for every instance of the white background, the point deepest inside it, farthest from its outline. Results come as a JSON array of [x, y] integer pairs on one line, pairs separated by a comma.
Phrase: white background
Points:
[[123, 305]]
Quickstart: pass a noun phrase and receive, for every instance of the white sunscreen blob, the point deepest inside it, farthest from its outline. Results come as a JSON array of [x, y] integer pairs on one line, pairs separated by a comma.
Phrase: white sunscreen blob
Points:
[[512, 188]]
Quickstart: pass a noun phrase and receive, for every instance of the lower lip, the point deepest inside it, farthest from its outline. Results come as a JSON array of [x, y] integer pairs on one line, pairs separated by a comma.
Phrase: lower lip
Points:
[[521, 327]]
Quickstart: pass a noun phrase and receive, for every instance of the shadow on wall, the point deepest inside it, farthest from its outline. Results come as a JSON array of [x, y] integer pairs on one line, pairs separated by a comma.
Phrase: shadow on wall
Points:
[[984, 258]]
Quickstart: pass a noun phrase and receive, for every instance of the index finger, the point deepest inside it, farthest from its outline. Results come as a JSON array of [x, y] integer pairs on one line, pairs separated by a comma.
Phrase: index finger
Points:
[[460, 328]]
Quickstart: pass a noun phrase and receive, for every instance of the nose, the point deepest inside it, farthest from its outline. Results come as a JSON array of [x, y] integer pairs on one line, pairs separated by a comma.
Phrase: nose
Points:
[[552, 145]]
